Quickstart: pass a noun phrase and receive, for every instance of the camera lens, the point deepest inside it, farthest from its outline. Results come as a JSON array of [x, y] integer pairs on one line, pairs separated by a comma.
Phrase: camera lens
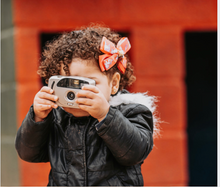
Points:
[[70, 95]]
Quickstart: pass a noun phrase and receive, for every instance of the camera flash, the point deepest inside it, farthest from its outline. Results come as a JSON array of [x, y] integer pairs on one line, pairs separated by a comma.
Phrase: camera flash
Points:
[[76, 82]]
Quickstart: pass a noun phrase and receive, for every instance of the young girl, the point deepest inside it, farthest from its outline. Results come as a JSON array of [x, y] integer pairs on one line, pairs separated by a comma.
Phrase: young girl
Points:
[[104, 141]]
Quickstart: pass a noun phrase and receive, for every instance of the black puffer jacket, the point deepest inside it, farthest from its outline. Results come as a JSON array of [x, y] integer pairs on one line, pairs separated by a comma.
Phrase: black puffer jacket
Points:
[[80, 154]]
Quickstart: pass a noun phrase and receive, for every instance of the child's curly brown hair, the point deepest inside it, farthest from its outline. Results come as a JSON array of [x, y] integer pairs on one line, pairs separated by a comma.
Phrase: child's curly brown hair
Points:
[[84, 44]]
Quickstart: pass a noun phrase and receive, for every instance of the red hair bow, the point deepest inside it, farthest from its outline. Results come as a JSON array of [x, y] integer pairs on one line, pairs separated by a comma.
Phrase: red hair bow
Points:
[[112, 54]]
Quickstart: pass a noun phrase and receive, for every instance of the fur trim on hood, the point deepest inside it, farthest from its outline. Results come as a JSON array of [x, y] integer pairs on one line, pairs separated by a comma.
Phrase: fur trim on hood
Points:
[[140, 98]]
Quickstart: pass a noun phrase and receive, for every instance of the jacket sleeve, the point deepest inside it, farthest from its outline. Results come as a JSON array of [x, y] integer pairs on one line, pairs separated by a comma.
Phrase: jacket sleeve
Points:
[[32, 137], [128, 133]]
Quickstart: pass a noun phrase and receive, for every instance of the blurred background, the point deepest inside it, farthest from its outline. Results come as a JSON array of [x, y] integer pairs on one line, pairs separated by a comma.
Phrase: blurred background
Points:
[[174, 52]]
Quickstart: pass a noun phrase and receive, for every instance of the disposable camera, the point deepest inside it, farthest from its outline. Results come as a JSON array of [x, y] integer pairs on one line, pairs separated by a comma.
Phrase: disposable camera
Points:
[[66, 88]]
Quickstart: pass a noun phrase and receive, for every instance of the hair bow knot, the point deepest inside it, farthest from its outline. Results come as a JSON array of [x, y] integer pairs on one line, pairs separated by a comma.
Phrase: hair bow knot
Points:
[[112, 54]]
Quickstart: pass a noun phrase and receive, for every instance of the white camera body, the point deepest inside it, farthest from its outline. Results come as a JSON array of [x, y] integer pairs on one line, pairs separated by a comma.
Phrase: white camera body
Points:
[[66, 88]]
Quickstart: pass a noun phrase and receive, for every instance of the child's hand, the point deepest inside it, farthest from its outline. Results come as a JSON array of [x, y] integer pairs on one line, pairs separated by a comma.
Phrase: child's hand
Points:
[[43, 103], [93, 101]]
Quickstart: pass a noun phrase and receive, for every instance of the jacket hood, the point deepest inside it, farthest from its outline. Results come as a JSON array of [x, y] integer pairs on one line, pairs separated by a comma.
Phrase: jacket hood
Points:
[[125, 97]]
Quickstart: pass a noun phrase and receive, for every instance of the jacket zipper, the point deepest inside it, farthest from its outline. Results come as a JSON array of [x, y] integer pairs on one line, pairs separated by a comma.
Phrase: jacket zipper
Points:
[[84, 149]]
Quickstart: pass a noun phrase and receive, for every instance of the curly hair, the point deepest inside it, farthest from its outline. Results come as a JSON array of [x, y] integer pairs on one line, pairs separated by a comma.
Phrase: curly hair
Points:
[[84, 44]]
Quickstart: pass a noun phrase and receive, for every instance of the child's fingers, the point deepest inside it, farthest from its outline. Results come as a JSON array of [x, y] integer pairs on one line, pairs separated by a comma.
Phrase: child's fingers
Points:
[[46, 89], [91, 88], [85, 107], [86, 93], [44, 95], [39, 100], [84, 101], [47, 102], [43, 107]]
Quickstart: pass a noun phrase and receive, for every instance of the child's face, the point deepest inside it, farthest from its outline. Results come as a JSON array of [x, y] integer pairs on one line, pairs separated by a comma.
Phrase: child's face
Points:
[[84, 68]]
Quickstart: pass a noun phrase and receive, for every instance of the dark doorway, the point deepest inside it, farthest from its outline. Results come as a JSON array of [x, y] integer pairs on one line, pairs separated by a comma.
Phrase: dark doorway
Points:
[[201, 81]]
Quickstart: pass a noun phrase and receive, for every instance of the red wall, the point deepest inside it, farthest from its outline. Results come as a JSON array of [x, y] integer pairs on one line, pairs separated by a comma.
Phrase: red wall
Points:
[[156, 33]]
